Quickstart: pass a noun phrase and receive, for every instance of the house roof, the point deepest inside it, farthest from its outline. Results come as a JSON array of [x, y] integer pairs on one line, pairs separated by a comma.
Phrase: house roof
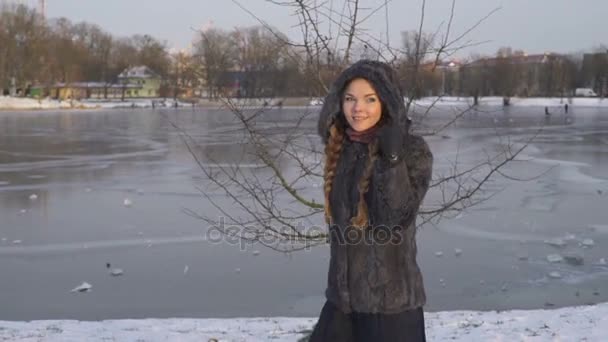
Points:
[[140, 71]]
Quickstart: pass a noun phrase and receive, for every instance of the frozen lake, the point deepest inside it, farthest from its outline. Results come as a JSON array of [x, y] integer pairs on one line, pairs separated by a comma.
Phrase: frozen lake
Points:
[[81, 166]]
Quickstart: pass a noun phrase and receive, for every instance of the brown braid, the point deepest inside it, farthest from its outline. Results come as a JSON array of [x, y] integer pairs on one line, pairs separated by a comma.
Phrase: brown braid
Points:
[[332, 154], [361, 218]]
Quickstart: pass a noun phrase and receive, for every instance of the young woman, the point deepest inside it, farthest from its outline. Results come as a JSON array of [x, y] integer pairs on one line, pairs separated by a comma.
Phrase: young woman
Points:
[[376, 176]]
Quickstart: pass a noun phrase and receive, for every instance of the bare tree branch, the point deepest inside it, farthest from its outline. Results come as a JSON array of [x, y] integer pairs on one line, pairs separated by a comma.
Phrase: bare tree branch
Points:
[[271, 198]]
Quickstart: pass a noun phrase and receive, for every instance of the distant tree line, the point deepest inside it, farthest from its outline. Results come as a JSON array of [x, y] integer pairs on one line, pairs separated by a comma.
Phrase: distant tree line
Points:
[[34, 51], [259, 62]]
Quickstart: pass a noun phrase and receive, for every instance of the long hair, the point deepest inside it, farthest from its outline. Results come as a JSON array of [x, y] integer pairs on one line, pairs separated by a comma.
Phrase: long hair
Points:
[[332, 156], [361, 219]]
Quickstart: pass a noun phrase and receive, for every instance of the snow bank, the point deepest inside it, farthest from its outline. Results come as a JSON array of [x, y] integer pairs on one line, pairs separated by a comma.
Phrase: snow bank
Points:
[[515, 101], [136, 103], [16, 103], [27, 103], [587, 323]]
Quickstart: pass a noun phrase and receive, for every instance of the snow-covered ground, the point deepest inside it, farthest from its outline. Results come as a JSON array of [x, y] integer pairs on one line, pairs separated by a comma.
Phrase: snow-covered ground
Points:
[[134, 103], [589, 102], [588, 323], [515, 101], [27, 103]]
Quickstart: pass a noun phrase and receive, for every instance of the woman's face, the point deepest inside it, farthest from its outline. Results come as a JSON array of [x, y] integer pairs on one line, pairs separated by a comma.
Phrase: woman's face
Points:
[[361, 105]]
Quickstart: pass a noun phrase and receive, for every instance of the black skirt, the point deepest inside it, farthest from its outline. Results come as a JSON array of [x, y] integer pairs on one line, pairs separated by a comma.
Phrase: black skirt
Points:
[[336, 326]]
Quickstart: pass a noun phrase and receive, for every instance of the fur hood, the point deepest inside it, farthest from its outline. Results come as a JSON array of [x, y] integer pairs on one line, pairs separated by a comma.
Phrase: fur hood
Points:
[[367, 275], [386, 83]]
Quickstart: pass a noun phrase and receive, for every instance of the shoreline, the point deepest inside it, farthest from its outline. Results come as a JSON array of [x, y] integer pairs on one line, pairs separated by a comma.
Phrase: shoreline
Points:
[[14, 104], [28, 104], [578, 323]]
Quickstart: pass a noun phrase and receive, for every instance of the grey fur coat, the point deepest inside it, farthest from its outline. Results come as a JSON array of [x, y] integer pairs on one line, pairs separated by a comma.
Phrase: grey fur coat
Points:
[[374, 270]]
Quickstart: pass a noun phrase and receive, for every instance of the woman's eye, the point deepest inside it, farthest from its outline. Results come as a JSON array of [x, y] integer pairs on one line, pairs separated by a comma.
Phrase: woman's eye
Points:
[[348, 99], [371, 99]]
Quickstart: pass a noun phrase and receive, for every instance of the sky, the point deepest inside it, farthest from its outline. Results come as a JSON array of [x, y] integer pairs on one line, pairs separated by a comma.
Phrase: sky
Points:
[[535, 26]]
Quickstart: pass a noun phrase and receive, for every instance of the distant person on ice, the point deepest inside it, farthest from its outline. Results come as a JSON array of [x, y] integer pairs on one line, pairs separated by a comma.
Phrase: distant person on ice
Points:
[[376, 175]]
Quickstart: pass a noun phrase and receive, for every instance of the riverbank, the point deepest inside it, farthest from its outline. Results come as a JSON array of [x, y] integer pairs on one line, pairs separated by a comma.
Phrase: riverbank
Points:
[[497, 101], [583, 323], [12, 103], [17, 103]]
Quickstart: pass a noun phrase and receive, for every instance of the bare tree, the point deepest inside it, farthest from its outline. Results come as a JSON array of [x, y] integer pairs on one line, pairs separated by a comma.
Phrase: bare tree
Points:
[[39, 52], [506, 73], [23, 40], [152, 53], [594, 72], [183, 74], [555, 74], [476, 77], [69, 54], [273, 207], [272, 204], [122, 55], [259, 58], [417, 79], [568, 77], [215, 53]]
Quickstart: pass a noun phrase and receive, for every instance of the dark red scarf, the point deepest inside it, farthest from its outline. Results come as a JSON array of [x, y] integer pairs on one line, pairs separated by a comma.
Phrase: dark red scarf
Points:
[[364, 136]]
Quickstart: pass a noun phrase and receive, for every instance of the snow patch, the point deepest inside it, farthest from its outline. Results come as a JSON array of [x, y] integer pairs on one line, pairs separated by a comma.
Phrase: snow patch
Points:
[[583, 323]]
